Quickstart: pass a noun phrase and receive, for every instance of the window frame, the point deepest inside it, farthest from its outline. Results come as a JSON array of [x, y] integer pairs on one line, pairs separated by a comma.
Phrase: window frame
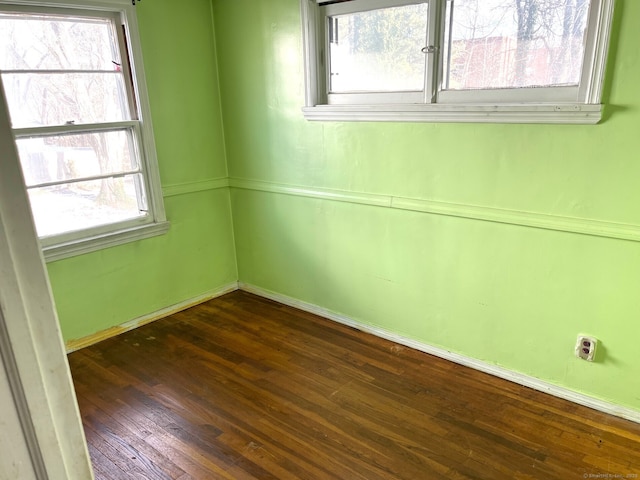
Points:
[[572, 105], [154, 222]]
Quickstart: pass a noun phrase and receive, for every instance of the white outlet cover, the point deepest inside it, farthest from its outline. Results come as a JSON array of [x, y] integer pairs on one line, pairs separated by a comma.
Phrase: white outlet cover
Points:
[[586, 347]]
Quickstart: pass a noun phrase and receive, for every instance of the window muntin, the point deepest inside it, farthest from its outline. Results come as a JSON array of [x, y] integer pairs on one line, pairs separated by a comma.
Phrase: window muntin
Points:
[[559, 72], [89, 171]]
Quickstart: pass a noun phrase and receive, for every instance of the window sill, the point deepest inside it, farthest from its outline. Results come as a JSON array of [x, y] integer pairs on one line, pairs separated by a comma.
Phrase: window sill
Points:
[[566, 113], [60, 251]]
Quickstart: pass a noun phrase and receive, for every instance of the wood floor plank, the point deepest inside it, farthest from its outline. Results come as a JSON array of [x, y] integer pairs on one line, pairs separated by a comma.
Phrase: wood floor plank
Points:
[[245, 388], [129, 439]]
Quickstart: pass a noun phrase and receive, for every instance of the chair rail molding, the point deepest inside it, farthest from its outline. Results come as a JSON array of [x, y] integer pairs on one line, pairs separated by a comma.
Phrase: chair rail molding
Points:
[[561, 223]]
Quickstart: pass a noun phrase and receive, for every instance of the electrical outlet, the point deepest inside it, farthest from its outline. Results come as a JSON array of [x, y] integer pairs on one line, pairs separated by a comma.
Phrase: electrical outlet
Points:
[[586, 347]]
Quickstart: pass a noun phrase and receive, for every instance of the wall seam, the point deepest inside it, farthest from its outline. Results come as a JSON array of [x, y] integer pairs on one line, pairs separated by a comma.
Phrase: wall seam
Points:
[[224, 140]]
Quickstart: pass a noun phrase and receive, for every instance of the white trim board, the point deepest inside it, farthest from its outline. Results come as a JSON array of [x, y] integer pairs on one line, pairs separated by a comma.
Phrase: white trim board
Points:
[[570, 113], [72, 248], [77, 344], [195, 186], [42, 435], [561, 223], [500, 372]]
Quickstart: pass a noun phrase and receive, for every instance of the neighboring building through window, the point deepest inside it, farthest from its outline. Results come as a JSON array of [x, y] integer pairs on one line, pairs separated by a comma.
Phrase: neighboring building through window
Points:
[[77, 112], [456, 60]]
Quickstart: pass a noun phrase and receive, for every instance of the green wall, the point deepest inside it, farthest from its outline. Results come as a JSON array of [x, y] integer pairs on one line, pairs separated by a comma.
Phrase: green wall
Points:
[[503, 293], [506, 294], [107, 288]]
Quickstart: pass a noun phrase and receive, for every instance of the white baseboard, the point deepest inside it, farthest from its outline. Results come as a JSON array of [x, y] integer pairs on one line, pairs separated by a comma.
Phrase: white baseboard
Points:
[[519, 378], [516, 377], [77, 344]]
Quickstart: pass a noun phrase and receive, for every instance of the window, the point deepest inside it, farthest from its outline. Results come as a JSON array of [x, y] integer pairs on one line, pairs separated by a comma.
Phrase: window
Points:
[[518, 61], [81, 123]]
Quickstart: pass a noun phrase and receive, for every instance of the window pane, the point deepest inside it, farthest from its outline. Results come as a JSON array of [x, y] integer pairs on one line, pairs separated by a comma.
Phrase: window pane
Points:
[[378, 50], [76, 156], [77, 206], [46, 42], [38, 99], [507, 44]]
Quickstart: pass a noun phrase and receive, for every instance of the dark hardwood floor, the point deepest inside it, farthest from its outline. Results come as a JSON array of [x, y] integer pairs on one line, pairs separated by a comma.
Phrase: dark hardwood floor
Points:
[[245, 388]]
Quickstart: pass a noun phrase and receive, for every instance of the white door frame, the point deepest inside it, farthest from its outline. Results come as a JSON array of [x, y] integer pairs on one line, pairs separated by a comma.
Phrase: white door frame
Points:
[[31, 346]]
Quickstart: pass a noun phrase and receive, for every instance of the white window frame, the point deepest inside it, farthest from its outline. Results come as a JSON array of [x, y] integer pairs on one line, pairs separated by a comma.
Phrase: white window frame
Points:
[[154, 222], [574, 105]]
